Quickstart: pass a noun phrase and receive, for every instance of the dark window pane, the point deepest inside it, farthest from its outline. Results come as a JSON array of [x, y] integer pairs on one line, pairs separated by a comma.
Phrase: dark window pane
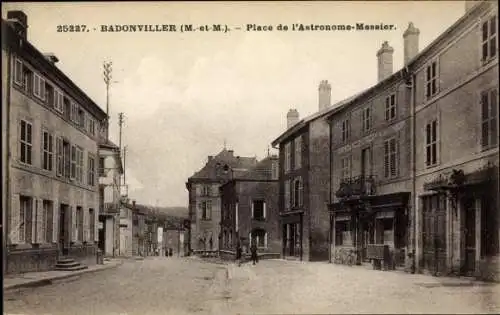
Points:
[[434, 69], [428, 134], [493, 47], [393, 112], [434, 153], [393, 99], [493, 132], [28, 133], [485, 31], [428, 155], [484, 106], [428, 73], [493, 25], [485, 50], [23, 130], [23, 152], [494, 104], [434, 131], [28, 155]]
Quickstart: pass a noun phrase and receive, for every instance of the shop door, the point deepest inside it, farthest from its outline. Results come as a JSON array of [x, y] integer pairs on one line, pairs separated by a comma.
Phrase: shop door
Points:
[[470, 236], [434, 234]]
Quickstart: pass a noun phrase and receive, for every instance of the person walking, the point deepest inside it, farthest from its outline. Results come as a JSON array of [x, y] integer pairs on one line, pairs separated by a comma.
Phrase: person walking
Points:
[[255, 257], [238, 254]]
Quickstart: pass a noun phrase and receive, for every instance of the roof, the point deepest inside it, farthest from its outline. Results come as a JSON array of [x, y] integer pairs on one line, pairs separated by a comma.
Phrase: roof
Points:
[[108, 144], [305, 121], [15, 41], [238, 165], [262, 171], [420, 56]]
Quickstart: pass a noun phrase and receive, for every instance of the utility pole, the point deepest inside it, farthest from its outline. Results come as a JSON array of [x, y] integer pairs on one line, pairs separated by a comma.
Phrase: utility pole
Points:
[[107, 76], [121, 116], [124, 168]]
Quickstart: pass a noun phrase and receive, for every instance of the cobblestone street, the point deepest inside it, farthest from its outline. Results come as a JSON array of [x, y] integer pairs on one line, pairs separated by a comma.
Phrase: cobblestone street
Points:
[[185, 286]]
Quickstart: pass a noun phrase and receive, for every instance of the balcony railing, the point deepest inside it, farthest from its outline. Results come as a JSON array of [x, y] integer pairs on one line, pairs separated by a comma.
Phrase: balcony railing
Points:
[[356, 187], [110, 207]]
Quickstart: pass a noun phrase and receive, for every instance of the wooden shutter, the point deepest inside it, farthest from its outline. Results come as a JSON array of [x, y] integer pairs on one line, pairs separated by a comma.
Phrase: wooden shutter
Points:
[[34, 220], [40, 226], [55, 220], [253, 213], [86, 226], [15, 220], [250, 238], [264, 208], [265, 239], [74, 231]]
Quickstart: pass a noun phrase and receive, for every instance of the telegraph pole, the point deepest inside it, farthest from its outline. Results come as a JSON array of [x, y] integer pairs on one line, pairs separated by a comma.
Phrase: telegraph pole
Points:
[[124, 168], [120, 124], [107, 76]]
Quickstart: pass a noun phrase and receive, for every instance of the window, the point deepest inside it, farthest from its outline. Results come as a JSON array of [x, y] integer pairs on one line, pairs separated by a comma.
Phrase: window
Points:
[[66, 159], [298, 152], [26, 216], [48, 214], [205, 190], [91, 171], [19, 72], [431, 83], [206, 210], [81, 118], [258, 210], [58, 101], [28, 80], [288, 157], [48, 151], [343, 233], [79, 223], [297, 192], [49, 94], [345, 130], [345, 167], [390, 158], [259, 238], [101, 167], [67, 108], [74, 112], [489, 117], [287, 195], [366, 119], [26, 142], [431, 149], [90, 125], [390, 107], [38, 86], [274, 170], [489, 39], [73, 162], [79, 164], [92, 224], [59, 157]]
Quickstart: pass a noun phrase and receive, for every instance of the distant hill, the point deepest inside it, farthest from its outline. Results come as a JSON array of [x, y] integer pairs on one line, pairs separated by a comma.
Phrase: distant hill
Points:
[[181, 212]]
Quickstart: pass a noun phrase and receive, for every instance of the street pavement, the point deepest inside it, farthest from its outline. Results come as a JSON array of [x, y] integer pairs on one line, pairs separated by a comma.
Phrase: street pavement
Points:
[[166, 285]]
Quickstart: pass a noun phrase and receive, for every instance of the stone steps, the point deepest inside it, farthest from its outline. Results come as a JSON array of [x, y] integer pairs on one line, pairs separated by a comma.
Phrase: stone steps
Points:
[[69, 264]]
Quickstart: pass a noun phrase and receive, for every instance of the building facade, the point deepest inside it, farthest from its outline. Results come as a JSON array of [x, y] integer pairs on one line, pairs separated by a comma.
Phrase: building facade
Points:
[[304, 182], [250, 213], [126, 227], [139, 231], [53, 132], [204, 198], [456, 118], [110, 171]]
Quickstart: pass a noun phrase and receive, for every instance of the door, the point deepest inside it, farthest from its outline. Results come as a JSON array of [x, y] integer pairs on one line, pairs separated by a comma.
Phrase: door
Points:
[[366, 170], [62, 229], [434, 234], [102, 233], [469, 236]]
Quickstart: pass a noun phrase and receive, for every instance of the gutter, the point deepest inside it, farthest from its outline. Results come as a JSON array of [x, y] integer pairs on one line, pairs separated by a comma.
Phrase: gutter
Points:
[[413, 228], [6, 223]]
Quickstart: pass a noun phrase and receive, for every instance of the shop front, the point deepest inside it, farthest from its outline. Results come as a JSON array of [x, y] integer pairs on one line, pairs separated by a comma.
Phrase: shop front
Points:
[[292, 231]]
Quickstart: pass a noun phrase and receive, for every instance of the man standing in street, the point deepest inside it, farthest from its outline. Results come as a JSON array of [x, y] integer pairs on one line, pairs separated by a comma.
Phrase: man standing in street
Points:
[[255, 257], [238, 254]]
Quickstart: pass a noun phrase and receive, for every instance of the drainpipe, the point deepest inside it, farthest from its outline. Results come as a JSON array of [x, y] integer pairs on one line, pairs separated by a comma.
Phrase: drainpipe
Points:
[[414, 174], [6, 223], [330, 192]]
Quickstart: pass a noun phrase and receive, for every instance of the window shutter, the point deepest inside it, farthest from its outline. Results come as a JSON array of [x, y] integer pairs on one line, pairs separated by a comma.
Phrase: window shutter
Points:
[[55, 220], [253, 213], [40, 226], [34, 220], [15, 220], [74, 232], [86, 226], [250, 238], [264, 206], [265, 239]]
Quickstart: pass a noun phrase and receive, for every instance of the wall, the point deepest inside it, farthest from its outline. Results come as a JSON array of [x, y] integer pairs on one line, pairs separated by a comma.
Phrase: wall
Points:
[[125, 232], [4, 125]]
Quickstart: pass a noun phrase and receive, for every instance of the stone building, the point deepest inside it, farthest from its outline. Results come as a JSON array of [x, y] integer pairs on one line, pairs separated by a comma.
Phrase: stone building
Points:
[[304, 182], [126, 227], [371, 164], [110, 171], [456, 117], [250, 213], [139, 231], [53, 131], [204, 199]]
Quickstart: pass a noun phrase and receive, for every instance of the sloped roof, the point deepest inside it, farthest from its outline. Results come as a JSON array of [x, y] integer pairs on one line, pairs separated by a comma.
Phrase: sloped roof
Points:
[[238, 164], [305, 121], [262, 171], [106, 143]]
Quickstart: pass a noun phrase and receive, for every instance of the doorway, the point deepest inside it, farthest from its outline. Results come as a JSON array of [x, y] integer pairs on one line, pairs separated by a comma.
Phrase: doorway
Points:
[[469, 236], [63, 229]]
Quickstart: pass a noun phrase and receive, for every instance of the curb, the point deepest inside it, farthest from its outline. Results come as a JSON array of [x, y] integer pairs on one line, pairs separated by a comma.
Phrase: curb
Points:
[[48, 281]]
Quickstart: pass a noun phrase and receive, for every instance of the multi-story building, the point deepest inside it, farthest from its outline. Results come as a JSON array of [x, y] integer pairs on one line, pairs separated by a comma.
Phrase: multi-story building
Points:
[[371, 164], [456, 119], [6, 85], [249, 205], [204, 199], [304, 182], [53, 134], [139, 231], [110, 171], [173, 237]]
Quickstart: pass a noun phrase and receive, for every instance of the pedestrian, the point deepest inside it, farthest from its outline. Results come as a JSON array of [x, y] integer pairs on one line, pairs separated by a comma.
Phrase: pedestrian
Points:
[[238, 254], [255, 257]]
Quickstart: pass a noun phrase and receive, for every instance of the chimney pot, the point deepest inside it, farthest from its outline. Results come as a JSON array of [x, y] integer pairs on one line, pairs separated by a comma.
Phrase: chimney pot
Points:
[[410, 38], [292, 118], [51, 57], [385, 64], [324, 94], [20, 20]]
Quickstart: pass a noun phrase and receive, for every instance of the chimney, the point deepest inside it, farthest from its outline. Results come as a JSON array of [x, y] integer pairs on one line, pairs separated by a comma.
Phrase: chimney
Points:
[[133, 203], [469, 5], [20, 22], [410, 37], [324, 94], [384, 56], [292, 118], [51, 57], [231, 152]]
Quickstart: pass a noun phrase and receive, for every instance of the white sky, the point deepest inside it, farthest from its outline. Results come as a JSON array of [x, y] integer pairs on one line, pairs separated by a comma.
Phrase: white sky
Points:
[[183, 94]]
